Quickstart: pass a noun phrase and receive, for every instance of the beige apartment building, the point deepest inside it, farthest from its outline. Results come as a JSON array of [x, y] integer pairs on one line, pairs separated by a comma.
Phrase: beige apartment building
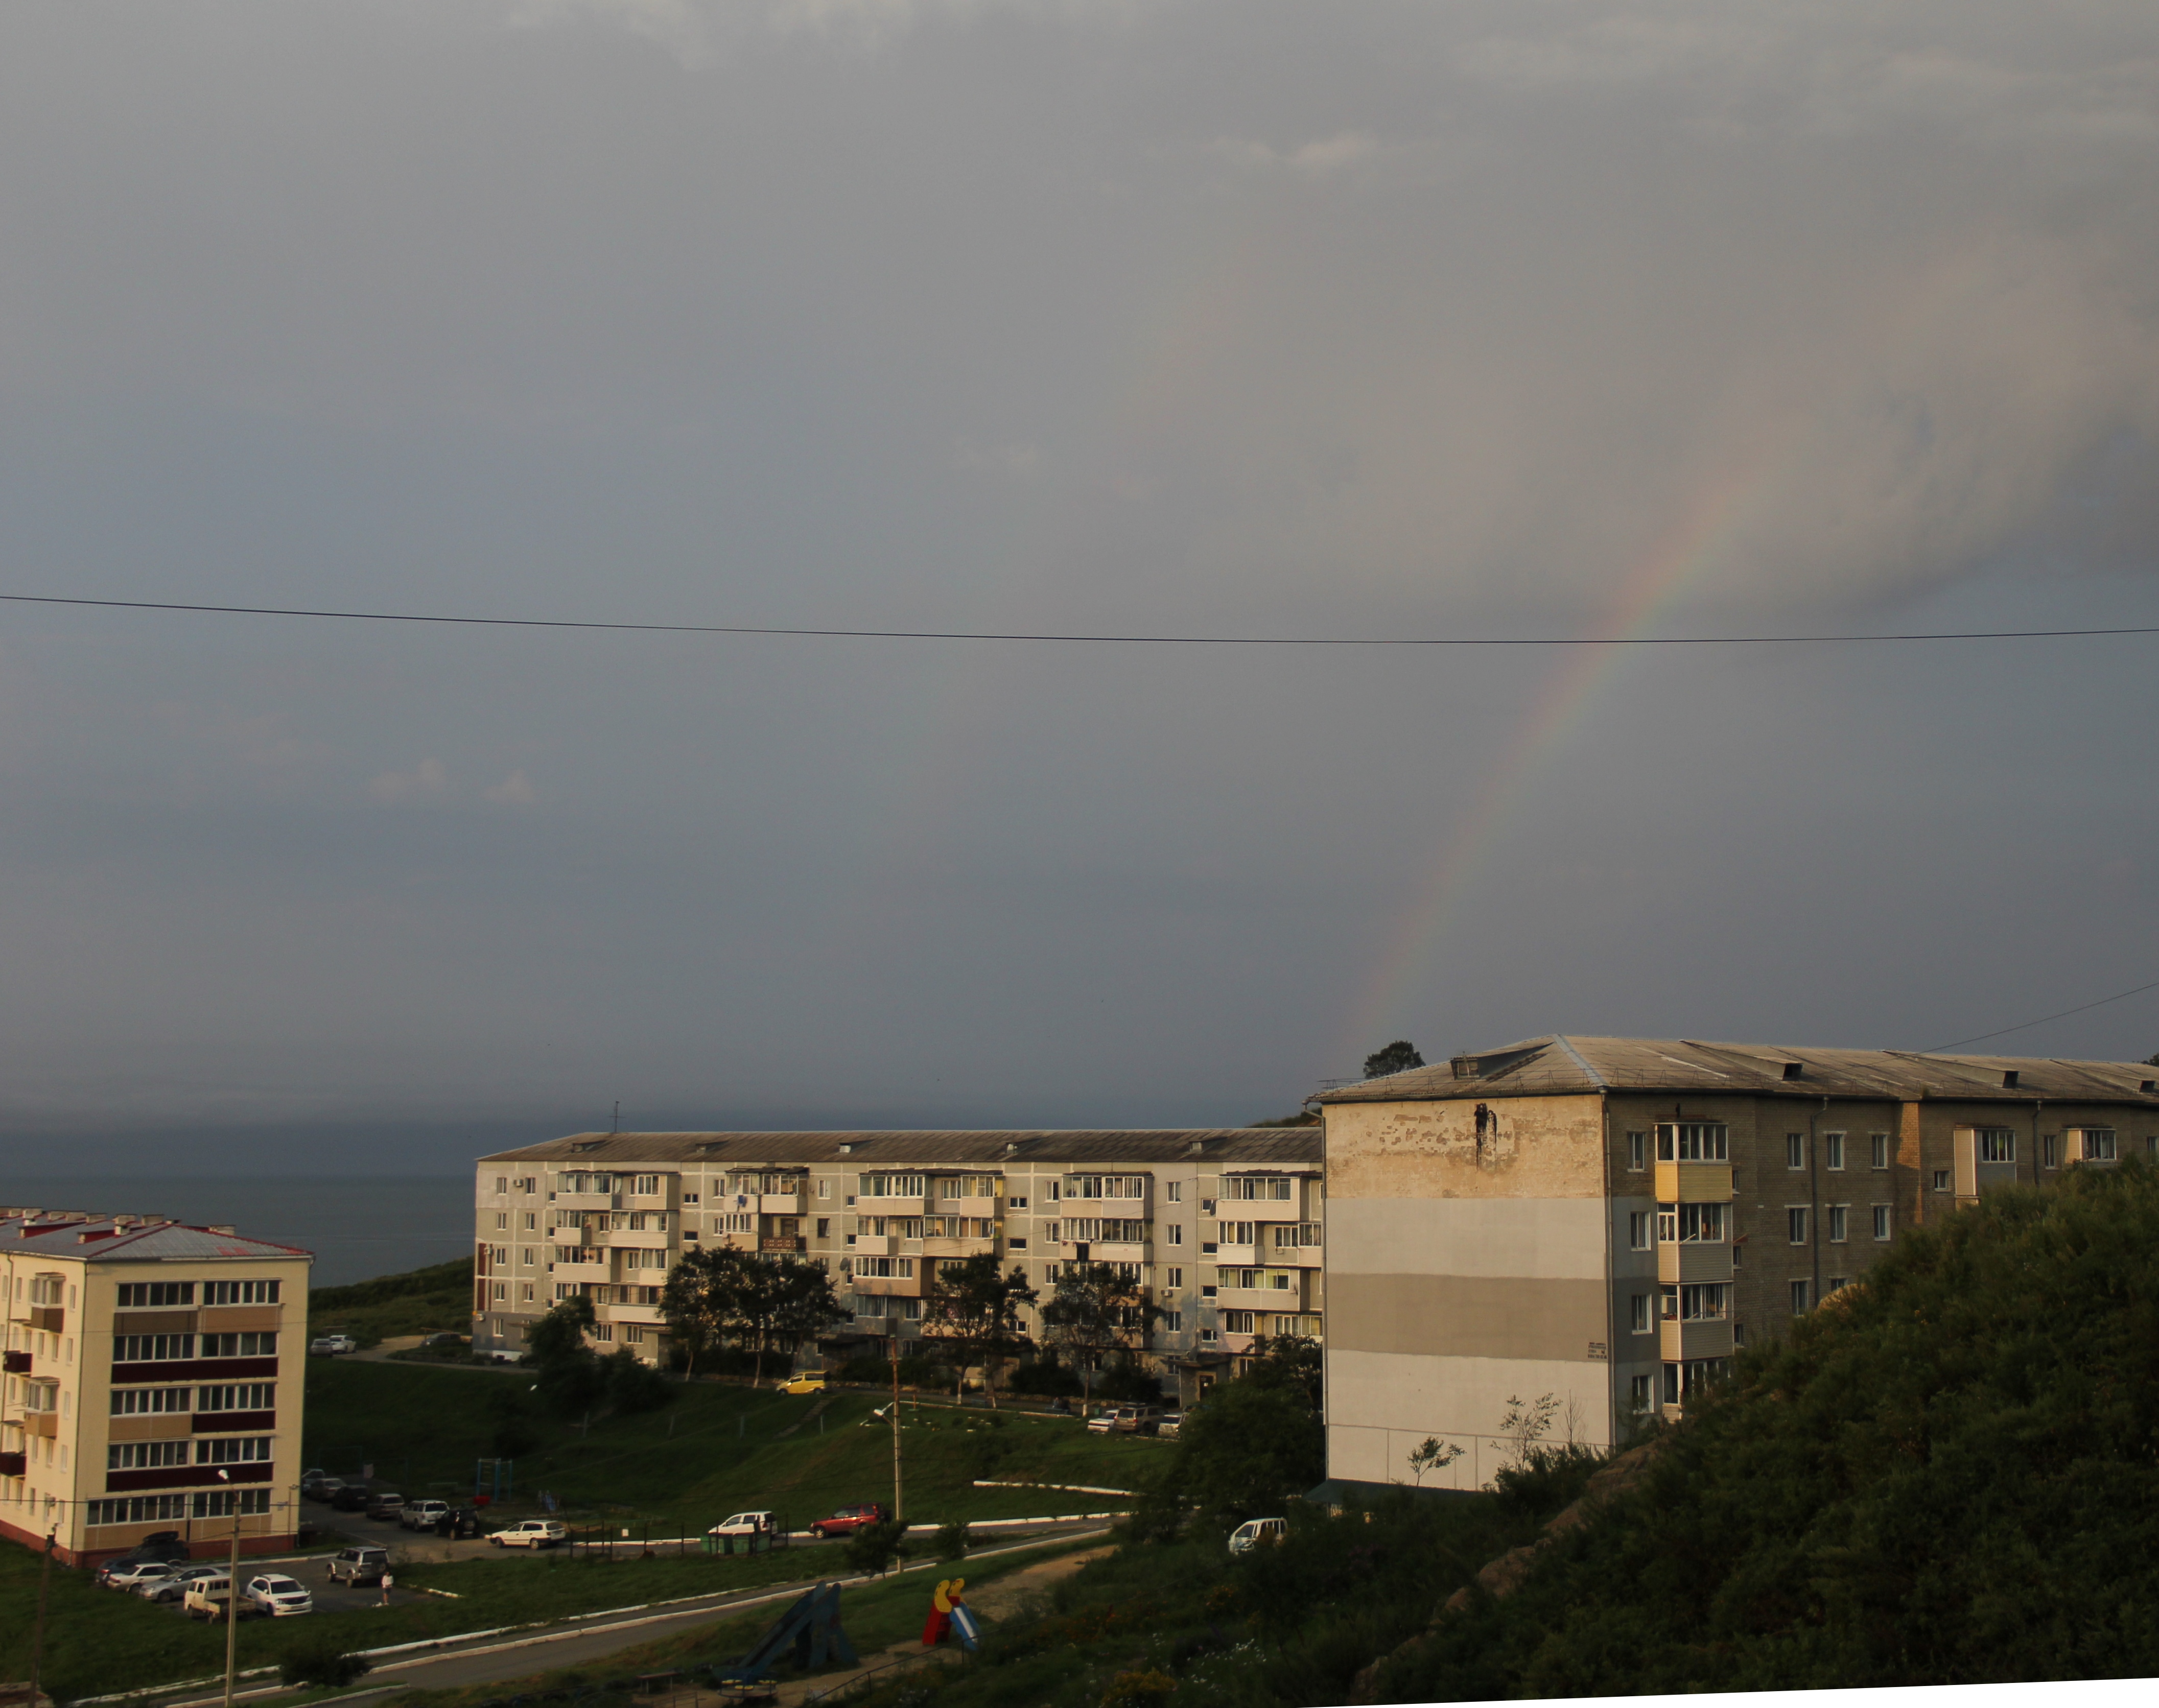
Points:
[[1221, 1226], [1605, 1221], [153, 1383]]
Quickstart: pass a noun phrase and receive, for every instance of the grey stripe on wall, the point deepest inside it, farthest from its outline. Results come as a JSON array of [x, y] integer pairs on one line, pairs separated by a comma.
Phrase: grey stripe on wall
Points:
[[1450, 1316]]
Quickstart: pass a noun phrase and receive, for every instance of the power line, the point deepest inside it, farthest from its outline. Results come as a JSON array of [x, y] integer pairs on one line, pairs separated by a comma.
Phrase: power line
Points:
[[1516, 640], [2027, 1025]]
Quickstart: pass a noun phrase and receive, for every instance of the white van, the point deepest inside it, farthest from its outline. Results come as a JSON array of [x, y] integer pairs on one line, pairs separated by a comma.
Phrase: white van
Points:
[[1257, 1533], [210, 1598]]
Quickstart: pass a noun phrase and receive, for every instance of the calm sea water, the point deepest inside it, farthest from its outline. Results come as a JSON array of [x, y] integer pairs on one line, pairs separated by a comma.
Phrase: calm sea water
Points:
[[356, 1228]]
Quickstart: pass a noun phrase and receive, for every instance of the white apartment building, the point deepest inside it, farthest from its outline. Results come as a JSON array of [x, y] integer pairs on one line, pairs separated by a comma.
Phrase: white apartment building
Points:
[[1221, 1226]]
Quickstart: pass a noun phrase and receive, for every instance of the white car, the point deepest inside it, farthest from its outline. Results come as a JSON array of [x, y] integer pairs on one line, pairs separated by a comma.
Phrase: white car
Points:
[[533, 1533], [1258, 1533], [330, 1345], [422, 1515], [744, 1523], [276, 1594]]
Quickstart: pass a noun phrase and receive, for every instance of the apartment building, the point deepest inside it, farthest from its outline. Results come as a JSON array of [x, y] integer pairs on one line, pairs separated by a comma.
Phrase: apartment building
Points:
[[1605, 1221], [153, 1383], [1221, 1226]]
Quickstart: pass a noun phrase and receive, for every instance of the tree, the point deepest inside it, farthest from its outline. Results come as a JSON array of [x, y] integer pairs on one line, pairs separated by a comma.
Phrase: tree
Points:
[[1397, 1057], [1249, 1447], [1430, 1455], [974, 1312], [757, 1301], [695, 1299], [1302, 1118], [1292, 1362], [567, 1374], [1096, 1309]]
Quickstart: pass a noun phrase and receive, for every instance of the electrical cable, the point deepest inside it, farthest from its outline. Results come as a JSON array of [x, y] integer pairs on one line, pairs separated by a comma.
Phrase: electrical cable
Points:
[[2027, 1025], [1097, 639]]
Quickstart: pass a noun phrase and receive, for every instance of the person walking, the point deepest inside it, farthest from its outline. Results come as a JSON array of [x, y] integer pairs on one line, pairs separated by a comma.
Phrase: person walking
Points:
[[387, 1580]]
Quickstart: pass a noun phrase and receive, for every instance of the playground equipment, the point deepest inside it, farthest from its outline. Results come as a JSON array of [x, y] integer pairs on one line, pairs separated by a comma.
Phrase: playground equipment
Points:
[[811, 1628]]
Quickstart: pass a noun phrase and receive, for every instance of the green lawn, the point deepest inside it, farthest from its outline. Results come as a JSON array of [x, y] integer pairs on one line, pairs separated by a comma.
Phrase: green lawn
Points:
[[719, 1448], [420, 1301], [874, 1616]]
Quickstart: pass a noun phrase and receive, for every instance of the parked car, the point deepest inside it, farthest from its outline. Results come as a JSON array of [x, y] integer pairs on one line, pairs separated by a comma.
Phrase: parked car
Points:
[[745, 1524], [1168, 1424], [323, 1488], [359, 1566], [423, 1514], [313, 1474], [1126, 1419], [160, 1545], [132, 1574], [330, 1345], [211, 1598], [1257, 1533], [176, 1582], [533, 1533], [459, 1521], [503, 1355], [350, 1497], [803, 1385], [849, 1519], [279, 1595], [385, 1504]]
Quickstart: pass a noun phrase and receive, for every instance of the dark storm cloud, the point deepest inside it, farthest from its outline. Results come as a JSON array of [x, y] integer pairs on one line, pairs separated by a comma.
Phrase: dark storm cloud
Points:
[[1254, 318]]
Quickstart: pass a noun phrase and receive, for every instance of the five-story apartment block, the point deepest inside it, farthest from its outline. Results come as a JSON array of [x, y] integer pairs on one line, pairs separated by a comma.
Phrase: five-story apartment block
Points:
[[153, 1383], [1220, 1227], [1606, 1220]]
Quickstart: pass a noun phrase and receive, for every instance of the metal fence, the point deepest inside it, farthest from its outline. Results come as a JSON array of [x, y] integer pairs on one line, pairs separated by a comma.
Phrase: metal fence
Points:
[[636, 1542]]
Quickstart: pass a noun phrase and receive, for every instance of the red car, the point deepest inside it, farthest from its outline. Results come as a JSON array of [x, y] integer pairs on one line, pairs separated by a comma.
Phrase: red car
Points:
[[849, 1519]]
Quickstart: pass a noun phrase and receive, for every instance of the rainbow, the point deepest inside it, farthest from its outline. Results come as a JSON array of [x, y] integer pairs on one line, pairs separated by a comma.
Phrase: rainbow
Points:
[[1698, 538]]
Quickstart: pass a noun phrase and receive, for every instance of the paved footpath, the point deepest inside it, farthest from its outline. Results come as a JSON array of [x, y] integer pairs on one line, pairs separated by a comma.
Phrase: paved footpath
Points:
[[577, 1642]]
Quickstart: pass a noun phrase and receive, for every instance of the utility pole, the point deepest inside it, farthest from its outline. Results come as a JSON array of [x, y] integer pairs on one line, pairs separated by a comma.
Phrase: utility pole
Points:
[[232, 1604], [898, 1511], [37, 1636]]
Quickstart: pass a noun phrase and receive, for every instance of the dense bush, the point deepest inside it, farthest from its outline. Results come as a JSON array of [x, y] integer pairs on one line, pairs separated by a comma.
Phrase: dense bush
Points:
[[321, 1661], [1948, 1474], [1046, 1377]]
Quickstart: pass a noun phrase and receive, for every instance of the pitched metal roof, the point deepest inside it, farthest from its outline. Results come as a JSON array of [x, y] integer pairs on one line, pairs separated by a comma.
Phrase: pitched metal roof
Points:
[[874, 1148], [1557, 1065], [72, 1234]]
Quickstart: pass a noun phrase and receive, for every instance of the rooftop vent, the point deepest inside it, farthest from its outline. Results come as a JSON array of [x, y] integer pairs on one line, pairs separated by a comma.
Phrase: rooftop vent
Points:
[[2009, 1079], [1467, 1067], [587, 1144], [224, 1228], [2148, 1085], [846, 1150], [1794, 1069]]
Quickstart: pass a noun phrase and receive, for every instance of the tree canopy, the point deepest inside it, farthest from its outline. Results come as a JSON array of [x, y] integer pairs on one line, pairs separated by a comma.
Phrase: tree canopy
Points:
[[972, 1310], [1396, 1057], [762, 1302], [1096, 1309]]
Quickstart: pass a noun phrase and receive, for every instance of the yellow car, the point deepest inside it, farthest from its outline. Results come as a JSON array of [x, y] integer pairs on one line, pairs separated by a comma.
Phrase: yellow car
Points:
[[804, 1384]]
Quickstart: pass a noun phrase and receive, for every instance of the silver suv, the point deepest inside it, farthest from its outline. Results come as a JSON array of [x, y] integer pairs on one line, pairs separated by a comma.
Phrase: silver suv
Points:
[[359, 1565]]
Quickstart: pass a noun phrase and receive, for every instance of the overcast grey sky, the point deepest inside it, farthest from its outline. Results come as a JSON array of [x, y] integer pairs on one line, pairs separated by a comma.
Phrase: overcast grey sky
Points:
[[1239, 318]]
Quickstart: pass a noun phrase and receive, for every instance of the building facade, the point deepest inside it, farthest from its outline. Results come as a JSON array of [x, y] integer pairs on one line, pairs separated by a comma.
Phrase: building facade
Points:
[[1605, 1221], [1221, 1227], [153, 1383]]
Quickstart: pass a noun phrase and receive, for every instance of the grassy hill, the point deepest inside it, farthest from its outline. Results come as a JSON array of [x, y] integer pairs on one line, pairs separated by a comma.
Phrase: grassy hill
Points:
[[1948, 1476], [419, 1301], [718, 1448]]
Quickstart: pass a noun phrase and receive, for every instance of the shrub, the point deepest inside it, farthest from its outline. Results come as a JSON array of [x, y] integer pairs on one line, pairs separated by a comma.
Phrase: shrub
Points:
[[1125, 1380], [319, 1660], [1045, 1379], [874, 1547], [953, 1540], [1138, 1689]]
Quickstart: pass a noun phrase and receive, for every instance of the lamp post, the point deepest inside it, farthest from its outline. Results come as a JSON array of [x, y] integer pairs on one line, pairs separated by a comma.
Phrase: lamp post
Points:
[[231, 1595], [37, 1636]]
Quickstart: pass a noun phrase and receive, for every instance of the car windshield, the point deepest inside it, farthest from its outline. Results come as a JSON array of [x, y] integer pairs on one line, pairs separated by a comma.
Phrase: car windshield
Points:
[[279, 1586]]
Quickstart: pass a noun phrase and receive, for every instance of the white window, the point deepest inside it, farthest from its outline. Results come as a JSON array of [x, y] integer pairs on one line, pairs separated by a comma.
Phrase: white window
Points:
[[502, 1218], [151, 1349], [1942, 1175], [1638, 1151], [502, 1183], [1701, 1222], [646, 1186], [2050, 1154], [1693, 1141], [1668, 1303], [1173, 1322], [1175, 1278], [1882, 1221], [1176, 1233], [1795, 1150], [2096, 1144], [1880, 1150], [1641, 1322], [1837, 1223], [1832, 1150], [1637, 1230], [1175, 1189], [234, 1450], [1668, 1224], [1264, 1187], [1795, 1217], [145, 1455], [1705, 1302], [1996, 1145], [134, 1295]]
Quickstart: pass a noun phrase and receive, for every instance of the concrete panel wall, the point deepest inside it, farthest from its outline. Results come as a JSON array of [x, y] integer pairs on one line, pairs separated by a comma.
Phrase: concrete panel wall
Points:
[[1382, 1404]]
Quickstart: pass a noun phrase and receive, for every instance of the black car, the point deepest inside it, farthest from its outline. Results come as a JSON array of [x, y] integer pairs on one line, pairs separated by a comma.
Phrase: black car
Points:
[[460, 1523], [160, 1545], [352, 1497]]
